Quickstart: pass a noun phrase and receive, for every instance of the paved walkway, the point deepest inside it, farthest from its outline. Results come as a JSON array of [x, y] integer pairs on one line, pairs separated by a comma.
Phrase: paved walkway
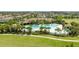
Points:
[[55, 38]]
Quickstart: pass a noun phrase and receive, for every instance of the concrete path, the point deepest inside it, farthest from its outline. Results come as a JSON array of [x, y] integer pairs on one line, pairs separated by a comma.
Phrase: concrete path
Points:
[[55, 38]]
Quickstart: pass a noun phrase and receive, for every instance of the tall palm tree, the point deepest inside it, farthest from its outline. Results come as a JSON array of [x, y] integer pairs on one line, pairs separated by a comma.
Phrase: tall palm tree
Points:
[[58, 30], [44, 29], [29, 30], [41, 29]]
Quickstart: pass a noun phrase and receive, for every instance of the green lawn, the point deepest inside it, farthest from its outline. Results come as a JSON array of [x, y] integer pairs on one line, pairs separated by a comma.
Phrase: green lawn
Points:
[[28, 41], [71, 20]]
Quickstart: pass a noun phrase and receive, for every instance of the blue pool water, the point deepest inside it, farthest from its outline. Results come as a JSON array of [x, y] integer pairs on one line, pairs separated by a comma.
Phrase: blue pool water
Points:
[[52, 27]]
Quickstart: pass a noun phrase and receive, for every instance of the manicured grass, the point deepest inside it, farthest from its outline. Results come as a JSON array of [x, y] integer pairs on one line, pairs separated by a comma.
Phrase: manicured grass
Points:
[[71, 20], [28, 41]]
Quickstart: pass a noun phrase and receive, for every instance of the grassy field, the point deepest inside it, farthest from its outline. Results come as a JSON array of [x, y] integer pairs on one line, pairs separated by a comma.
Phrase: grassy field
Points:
[[71, 20], [28, 41]]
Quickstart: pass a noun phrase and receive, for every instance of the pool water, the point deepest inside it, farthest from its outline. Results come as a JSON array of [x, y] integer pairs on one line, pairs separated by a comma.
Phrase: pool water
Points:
[[52, 28]]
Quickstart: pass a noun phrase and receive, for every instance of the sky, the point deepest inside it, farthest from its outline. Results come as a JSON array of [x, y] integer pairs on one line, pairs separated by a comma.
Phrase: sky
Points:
[[39, 5]]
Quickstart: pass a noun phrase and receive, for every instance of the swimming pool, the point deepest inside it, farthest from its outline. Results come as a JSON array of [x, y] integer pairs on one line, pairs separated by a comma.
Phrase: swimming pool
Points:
[[52, 28]]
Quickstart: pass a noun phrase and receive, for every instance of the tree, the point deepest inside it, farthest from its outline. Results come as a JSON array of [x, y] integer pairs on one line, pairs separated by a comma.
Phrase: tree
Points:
[[12, 21], [75, 28], [59, 20], [74, 24], [16, 28], [19, 27], [41, 29], [58, 30], [1, 28], [29, 30], [44, 29], [4, 28], [74, 31], [58, 17]]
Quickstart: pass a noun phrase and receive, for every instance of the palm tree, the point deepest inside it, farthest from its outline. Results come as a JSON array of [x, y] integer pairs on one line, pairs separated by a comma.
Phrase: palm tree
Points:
[[58, 30], [48, 29], [1, 29], [41, 29], [29, 30], [44, 29], [18, 28]]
